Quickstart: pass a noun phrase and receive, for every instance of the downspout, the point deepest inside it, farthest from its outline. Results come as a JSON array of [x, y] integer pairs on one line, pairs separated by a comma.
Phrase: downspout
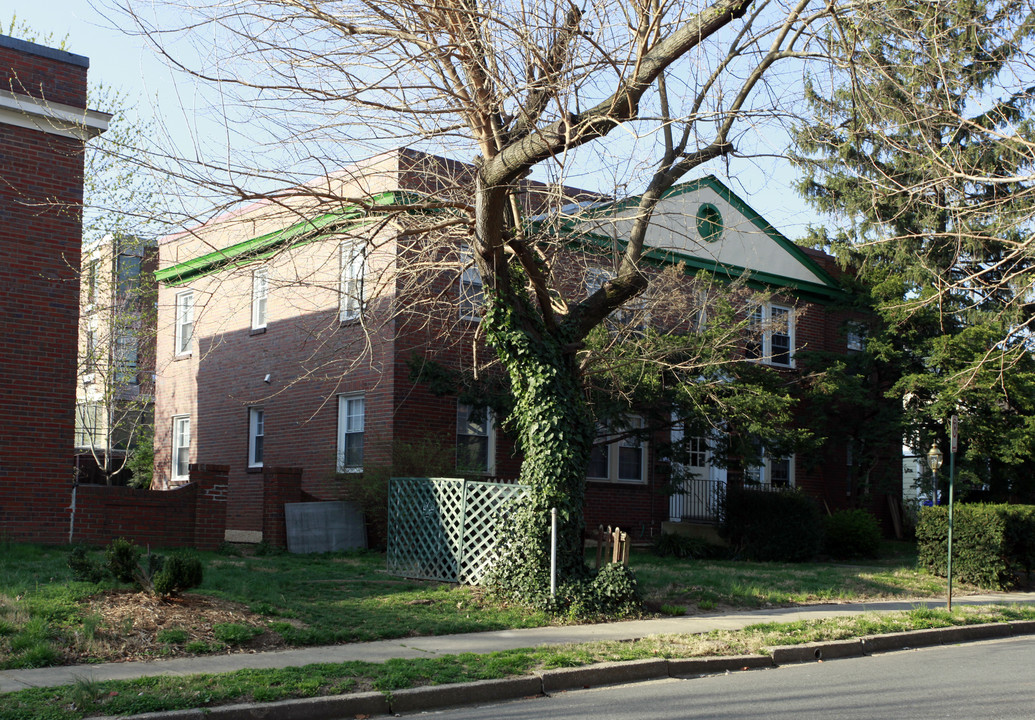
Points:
[[71, 516]]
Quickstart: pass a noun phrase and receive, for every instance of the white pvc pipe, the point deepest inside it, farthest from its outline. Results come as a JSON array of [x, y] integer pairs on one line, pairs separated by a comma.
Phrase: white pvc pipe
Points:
[[553, 552]]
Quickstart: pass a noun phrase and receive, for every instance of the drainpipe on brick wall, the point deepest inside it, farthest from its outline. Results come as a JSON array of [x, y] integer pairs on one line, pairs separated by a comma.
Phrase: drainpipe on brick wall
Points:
[[71, 517]]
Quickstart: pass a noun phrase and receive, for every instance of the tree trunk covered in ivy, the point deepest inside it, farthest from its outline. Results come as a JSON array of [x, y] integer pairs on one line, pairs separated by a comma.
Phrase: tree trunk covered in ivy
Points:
[[556, 433]]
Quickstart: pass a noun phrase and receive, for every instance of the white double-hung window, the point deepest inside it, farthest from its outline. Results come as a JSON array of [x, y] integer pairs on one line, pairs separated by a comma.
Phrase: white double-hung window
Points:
[[181, 448], [353, 266], [771, 335], [351, 410], [256, 436], [621, 456], [184, 322], [260, 295]]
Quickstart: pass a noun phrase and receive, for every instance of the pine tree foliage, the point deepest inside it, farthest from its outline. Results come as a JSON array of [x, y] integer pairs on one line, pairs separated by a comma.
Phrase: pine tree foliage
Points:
[[922, 147]]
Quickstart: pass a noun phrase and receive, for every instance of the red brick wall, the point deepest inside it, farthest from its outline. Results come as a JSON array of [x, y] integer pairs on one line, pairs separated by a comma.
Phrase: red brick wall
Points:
[[193, 515], [40, 235]]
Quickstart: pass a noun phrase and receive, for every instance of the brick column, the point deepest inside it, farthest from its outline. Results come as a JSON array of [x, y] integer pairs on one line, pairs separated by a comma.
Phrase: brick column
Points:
[[210, 504], [280, 485]]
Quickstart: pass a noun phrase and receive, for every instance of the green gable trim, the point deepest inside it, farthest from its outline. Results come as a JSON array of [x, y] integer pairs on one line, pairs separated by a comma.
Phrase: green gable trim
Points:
[[754, 278], [711, 182], [265, 245]]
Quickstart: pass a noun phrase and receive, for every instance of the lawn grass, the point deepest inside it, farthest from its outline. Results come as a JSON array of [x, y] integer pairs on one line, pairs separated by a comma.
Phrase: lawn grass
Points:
[[89, 698], [705, 585], [348, 597]]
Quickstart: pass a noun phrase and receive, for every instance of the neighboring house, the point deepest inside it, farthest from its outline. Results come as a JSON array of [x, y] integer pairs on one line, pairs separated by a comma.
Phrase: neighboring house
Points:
[[44, 124], [287, 338], [114, 392]]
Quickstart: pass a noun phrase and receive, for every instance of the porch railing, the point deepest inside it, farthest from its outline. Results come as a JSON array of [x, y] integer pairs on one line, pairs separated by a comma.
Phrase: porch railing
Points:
[[697, 499]]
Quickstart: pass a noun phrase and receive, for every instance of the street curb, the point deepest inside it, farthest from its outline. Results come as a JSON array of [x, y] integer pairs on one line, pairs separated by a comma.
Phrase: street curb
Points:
[[811, 652], [695, 667], [482, 691], [612, 673]]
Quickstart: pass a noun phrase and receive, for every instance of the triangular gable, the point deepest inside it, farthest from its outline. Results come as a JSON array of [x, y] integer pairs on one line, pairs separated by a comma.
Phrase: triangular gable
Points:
[[704, 224]]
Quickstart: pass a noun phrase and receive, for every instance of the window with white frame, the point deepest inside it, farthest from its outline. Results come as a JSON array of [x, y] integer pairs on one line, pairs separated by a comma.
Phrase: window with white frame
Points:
[[353, 265], [475, 439], [181, 448], [351, 410], [184, 322], [471, 298], [774, 471], [260, 296], [256, 436], [771, 335], [855, 336], [621, 456]]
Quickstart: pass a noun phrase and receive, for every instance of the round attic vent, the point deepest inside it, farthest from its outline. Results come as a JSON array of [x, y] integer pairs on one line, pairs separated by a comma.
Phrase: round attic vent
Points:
[[709, 222]]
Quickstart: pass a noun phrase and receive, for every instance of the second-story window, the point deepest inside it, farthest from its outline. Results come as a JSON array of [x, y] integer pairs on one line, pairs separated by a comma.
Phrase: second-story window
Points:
[[771, 335], [184, 322], [260, 294], [471, 298], [126, 355], [353, 264]]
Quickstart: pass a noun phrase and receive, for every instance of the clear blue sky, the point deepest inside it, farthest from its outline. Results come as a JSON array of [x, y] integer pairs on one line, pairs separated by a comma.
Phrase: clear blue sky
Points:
[[124, 62]]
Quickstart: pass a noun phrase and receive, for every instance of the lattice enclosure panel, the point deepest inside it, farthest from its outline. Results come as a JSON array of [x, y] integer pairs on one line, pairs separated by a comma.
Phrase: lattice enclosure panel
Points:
[[443, 528]]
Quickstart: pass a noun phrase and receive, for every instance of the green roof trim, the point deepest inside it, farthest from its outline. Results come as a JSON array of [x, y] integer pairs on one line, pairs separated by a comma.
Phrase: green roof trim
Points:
[[265, 245], [829, 289]]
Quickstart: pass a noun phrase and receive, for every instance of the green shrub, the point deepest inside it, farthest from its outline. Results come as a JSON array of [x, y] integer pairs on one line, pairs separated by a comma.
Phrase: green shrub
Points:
[[991, 544], [851, 534], [84, 567], [615, 590], [181, 571], [121, 558], [680, 546], [777, 526]]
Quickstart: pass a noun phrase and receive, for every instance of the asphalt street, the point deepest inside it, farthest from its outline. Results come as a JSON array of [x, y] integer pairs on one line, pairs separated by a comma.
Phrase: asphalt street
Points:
[[977, 681]]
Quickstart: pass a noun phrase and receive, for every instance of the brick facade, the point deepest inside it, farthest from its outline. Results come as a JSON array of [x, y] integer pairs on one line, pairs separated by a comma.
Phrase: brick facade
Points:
[[41, 194], [296, 367]]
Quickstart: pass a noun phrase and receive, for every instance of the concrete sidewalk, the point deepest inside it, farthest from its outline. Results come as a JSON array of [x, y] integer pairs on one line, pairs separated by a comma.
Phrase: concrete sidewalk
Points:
[[484, 642]]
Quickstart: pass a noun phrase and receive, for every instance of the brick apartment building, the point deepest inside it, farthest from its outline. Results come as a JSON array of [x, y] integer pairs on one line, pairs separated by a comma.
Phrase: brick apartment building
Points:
[[287, 336], [44, 124], [116, 361]]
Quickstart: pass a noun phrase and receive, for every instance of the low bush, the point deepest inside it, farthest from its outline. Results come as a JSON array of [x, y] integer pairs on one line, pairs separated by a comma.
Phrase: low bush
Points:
[[776, 526], [121, 558], [84, 568], [851, 534], [611, 592], [991, 544], [181, 571]]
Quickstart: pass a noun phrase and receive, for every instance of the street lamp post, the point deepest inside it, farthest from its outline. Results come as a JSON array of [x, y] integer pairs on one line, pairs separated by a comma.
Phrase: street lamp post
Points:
[[934, 460]]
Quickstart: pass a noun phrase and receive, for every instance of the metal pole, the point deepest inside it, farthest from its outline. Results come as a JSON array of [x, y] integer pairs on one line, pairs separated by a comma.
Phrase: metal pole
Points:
[[952, 469], [953, 439], [553, 552]]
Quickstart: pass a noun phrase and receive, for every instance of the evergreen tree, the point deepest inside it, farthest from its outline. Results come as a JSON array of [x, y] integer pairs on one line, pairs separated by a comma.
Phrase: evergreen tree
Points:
[[922, 148]]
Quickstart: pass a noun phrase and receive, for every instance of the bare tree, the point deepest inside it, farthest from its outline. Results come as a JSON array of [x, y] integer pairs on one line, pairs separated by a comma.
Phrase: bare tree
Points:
[[647, 91]]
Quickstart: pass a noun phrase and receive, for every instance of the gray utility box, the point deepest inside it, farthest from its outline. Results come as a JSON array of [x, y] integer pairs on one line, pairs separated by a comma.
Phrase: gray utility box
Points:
[[316, 527]]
